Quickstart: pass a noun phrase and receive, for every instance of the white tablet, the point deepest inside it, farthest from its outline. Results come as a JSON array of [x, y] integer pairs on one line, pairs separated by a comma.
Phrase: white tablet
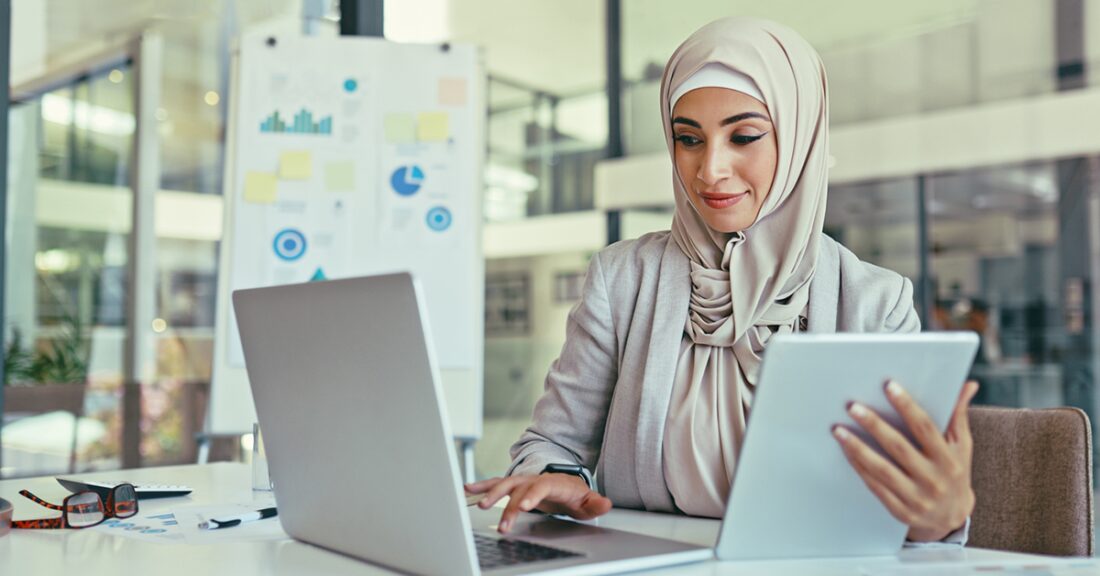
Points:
[[794, 494]]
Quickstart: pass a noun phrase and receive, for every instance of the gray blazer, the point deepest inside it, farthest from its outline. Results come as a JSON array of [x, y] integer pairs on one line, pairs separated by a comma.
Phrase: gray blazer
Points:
[[607, 394]]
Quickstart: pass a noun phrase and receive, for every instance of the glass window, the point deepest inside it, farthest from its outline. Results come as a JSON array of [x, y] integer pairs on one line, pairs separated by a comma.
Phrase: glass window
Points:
[[994, 254], [67, 275], [524, 332], [883, 60], [879, 222]]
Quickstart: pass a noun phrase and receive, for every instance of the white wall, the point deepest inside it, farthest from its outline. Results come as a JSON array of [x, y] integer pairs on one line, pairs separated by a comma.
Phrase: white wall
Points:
[[1015, 49], [28, 40]]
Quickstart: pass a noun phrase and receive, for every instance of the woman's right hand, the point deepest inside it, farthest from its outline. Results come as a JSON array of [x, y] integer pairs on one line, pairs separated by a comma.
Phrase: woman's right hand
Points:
[[551, 493]]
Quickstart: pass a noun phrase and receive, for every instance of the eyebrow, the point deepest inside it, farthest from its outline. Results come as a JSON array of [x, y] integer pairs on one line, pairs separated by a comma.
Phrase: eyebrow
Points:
[[731, 120]]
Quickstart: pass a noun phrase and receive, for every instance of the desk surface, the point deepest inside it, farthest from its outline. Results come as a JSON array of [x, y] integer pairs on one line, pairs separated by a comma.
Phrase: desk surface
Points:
[[93, 553]]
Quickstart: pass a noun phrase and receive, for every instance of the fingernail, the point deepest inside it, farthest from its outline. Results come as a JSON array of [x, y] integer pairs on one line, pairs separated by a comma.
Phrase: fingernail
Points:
[[857, 411], [505, 525], [894, 389], [840, 433], [483, 502], [526, 504]]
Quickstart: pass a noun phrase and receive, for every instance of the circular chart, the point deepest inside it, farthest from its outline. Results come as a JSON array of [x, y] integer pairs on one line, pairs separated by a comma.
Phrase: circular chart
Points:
[[406, 180], [439, 218], [289, 244]]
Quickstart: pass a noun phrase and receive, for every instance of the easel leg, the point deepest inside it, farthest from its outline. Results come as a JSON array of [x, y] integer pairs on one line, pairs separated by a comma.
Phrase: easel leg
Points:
[[467, 448]]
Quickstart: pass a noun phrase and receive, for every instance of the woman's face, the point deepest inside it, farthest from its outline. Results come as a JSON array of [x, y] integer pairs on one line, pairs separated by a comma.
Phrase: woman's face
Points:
[[725, 152]]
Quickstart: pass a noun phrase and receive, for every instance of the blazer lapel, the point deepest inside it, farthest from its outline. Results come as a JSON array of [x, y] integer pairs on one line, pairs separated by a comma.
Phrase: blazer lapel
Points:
[[824, 289], [669, 317]]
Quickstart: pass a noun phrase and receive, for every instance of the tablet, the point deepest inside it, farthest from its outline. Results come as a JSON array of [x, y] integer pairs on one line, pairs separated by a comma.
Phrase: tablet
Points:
[[794, 493]]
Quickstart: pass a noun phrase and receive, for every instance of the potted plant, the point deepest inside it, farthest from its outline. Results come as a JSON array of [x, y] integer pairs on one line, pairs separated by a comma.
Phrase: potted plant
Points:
[[47, 378]]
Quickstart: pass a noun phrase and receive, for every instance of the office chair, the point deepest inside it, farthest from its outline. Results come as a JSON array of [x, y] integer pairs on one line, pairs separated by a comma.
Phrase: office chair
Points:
[[1032, 477]]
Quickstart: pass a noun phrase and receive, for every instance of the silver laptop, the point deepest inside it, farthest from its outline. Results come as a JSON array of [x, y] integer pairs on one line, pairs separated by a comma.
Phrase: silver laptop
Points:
[[360, 450]]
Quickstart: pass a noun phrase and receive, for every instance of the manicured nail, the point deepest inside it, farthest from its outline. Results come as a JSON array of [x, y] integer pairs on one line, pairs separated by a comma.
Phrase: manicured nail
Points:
[[857, 411], [841, 434], [894, 389]]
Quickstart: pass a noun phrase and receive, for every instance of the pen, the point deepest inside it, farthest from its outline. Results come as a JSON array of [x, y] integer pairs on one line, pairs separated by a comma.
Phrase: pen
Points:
[[214, 524]]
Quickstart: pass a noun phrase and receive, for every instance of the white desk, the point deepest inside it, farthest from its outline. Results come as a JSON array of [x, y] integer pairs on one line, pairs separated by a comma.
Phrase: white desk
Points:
[[92, 553]]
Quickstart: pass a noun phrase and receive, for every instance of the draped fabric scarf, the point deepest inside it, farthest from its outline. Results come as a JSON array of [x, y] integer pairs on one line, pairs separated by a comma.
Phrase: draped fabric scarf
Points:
[[746, 286]]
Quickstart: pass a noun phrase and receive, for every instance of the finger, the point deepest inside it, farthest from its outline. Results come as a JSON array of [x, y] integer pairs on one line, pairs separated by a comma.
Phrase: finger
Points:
[[894, 443], [960, 419], [862, 457], [556, 497], [508, 517], [481, 486], [534, 496], [502, 488], [889, 499], [922, 427], [594, 504]]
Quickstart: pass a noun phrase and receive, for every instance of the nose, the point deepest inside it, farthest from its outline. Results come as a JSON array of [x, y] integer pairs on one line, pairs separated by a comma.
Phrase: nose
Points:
[[717, 165]]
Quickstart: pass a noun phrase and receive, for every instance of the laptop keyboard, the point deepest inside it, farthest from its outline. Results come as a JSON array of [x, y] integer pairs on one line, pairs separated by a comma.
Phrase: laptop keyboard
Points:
[[495, 552]]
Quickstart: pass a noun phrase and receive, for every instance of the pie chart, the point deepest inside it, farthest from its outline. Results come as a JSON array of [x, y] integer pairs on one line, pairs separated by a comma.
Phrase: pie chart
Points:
[[406, 180]]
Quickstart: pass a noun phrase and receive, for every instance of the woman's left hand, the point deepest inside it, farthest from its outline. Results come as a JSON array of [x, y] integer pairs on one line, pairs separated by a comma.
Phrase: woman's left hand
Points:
[[929, 487]]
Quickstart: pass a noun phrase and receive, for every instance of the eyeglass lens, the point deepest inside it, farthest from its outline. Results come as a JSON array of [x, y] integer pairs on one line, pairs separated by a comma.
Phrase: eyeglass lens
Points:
[[84, 509], [125, 501]]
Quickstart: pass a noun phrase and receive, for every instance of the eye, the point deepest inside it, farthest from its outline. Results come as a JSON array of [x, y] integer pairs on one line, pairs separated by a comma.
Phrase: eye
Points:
[[687, 140], [746, 139]]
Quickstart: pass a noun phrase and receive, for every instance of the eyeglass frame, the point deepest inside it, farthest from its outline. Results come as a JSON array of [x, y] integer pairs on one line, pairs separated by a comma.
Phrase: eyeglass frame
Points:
[[109, 509]]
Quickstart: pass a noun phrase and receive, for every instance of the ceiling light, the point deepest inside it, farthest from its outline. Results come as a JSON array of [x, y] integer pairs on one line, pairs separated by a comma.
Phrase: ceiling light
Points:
[[211, 98]]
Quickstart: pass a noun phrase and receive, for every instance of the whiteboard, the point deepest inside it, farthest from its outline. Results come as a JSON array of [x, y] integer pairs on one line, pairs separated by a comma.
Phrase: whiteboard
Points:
[[350, 156]]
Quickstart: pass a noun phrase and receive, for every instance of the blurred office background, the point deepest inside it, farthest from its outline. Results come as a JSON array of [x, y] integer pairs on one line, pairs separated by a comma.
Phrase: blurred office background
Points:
[[965, 147]]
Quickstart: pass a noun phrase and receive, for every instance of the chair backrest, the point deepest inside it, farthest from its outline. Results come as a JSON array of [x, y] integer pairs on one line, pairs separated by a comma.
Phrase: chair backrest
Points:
[[1032, 477]]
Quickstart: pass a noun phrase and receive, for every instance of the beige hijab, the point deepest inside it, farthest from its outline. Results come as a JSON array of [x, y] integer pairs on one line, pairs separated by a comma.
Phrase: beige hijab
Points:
[[747, 286]]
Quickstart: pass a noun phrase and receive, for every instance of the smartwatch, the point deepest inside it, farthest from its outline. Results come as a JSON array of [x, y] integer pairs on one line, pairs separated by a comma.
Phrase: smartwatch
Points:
[[574, 469]]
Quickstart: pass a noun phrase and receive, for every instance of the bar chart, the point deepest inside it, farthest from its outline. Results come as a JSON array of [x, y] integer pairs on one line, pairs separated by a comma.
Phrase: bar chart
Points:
[[302, 123]]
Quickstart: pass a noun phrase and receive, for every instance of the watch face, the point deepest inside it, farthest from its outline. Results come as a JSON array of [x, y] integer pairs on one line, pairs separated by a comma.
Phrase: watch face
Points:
[[564, 468]]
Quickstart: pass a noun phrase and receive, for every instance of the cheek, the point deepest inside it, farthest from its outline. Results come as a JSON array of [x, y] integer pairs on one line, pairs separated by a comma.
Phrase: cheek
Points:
[[685, 167], [762, 170]]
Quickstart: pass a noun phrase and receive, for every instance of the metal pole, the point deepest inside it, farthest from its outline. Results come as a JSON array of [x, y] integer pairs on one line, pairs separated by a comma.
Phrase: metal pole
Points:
[[924, 270], [5, 78], [140, 298], [615, 149], [313, 13], [362, 18]]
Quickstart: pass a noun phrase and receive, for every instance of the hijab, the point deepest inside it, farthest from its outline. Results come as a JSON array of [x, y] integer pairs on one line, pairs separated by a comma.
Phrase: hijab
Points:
[[746, 286]]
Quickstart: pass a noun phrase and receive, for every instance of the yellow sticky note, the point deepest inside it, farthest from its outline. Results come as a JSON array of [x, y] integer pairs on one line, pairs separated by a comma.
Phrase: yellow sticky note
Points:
[[432, 126], [452, 91], [339, 176], [260, 187], [400, 128], [296, 165]]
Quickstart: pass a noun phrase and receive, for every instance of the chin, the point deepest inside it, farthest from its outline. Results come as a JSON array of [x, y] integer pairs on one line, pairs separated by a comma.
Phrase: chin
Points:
[[727, 223]]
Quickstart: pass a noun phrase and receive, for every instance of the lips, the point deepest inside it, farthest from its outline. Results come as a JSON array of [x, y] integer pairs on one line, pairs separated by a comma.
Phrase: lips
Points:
[[719, 201]]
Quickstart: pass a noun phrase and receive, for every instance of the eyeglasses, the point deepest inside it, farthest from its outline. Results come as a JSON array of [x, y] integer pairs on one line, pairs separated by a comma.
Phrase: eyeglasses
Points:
[[85, 509]]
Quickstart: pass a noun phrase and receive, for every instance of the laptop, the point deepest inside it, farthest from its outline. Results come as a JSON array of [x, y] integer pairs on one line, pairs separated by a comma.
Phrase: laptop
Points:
[[360, 451], [794, 493]]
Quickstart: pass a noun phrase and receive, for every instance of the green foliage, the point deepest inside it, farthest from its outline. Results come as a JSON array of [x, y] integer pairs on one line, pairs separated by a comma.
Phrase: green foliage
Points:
[[17, 360], [65, 361]]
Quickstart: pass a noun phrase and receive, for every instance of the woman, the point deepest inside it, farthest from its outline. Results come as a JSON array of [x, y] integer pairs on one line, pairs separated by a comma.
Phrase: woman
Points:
[[654, 383]]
